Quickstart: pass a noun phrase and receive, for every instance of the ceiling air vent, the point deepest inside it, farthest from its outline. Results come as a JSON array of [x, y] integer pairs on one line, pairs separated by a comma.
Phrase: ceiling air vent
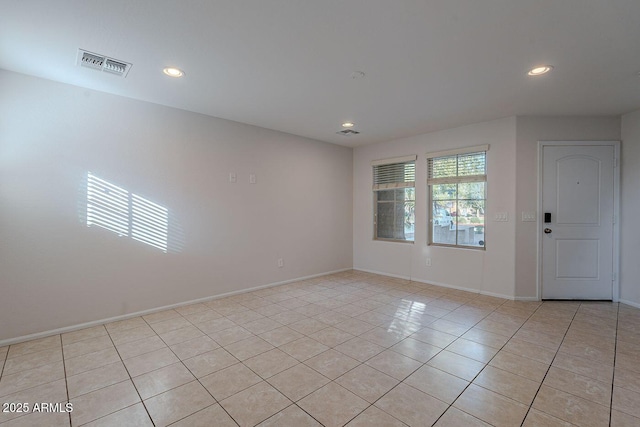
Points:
[[92, 61], [115, 67], [348, 132], [103, 63]]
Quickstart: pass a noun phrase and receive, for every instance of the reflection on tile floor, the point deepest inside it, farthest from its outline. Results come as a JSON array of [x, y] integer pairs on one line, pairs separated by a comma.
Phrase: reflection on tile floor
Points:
[[351, 348]]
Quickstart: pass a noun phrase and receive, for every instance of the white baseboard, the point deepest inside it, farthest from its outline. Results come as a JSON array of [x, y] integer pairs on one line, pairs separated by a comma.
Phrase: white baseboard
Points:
[[443, 285], [380, 273], [72, 328], [494, 294], [462, 288], [631, 303], [526, 299], [449, 286]]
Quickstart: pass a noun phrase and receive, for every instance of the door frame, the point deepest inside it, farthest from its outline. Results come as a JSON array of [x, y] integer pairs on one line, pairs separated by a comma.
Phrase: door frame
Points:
[[616, 211]]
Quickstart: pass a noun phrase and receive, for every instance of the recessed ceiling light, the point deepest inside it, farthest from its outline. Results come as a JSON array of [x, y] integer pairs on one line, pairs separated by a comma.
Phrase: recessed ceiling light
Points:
[[347, 125], [538, 71], [173, 72]]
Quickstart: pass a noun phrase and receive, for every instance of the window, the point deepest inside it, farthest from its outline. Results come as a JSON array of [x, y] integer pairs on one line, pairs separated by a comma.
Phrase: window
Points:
[[126, 214], [394, 196], [457, 185]]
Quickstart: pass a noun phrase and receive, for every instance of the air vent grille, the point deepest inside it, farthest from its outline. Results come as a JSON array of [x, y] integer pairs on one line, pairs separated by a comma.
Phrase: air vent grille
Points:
[[115, 67], [92, 61], [348, 132], [103, 63]]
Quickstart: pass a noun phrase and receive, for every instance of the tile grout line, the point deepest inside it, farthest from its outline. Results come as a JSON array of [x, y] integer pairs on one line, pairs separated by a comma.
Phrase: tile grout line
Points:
[[386, 348], [513, 336], [194, 376], [130, 378], [359, 364], [26, 370], [302, 409], [387, 289], [66, 382], [422, 365], [549, 368], [186, 367], [485, 364], [615, 357], [266, 380], [323, 375], [450, 405], [4, 362], [245, 306], [554, 357], [179, 361]]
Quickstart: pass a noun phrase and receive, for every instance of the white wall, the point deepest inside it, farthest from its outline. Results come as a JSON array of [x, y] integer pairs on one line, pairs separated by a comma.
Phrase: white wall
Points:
[[57, 272], [509, 265], [530, 130], [630, 210], [491, 271]]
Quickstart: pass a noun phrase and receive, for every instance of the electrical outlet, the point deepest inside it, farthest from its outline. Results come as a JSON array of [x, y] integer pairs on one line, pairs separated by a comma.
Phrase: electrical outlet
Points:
[[428, 262], [233, 177], [252, 178], [280, 263]]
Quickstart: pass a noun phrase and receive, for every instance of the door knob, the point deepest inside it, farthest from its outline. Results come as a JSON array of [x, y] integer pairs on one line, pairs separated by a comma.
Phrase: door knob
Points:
[[547, 230]]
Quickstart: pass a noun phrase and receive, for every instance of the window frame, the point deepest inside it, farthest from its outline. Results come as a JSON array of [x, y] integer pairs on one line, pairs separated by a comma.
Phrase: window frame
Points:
[[457, 180], [391, 186]]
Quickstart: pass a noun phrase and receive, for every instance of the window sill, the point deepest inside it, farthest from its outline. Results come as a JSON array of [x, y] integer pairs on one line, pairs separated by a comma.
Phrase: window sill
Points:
[[377, 239], [444, 245]]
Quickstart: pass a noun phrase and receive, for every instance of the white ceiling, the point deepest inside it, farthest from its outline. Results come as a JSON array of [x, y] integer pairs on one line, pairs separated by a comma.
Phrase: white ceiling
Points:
[[287, 64]]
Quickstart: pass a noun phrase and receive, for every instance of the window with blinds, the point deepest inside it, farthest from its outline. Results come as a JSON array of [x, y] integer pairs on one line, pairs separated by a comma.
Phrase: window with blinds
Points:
[[457, 187], [395, 175], [126, 214], [470, 167], [394, 198]]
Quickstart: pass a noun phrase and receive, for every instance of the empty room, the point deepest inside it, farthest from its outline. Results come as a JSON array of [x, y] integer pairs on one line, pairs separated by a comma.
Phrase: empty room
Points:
[[329, 213]]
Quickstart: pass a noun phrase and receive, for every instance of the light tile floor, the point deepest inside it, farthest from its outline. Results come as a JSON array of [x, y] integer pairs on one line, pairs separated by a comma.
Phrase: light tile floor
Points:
[[352, 349]]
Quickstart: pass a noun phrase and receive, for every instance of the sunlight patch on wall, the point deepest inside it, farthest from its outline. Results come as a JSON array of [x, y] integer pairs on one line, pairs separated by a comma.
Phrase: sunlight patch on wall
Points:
[[126, 214]]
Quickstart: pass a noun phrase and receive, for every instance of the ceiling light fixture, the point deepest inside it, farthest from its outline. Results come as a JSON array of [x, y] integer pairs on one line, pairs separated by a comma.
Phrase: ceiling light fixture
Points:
[[347, 125], [538, 71], [173, 72]]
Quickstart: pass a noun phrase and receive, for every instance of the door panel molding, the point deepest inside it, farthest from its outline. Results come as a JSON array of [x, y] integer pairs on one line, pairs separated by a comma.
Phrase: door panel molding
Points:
[[616, 210], [586, 250], [567, 198]]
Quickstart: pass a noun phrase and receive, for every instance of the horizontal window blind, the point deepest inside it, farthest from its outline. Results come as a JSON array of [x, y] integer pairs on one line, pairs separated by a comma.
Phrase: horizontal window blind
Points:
[[451, 169], [394, 175]]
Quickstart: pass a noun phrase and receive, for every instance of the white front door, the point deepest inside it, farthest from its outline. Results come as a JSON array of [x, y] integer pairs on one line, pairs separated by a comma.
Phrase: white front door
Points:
[[577, 240]]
